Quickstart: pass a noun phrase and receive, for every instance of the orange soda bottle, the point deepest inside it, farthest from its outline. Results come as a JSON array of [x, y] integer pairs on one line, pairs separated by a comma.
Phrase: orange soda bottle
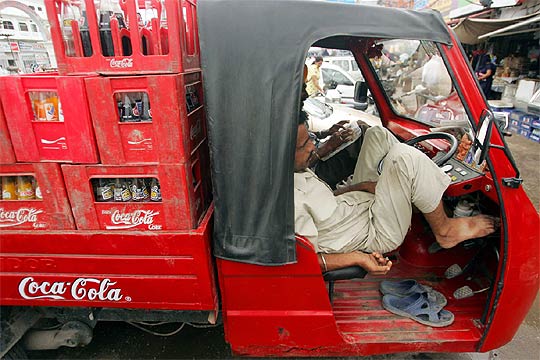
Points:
[[9, 188]]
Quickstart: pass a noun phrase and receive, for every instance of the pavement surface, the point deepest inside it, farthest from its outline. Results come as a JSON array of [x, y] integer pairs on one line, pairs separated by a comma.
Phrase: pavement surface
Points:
[[122, 341]]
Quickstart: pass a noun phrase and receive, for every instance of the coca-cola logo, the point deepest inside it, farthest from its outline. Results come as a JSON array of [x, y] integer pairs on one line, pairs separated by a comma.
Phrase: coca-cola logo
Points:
[[121, 220], [88, 289], [121, 64], [19, 216]]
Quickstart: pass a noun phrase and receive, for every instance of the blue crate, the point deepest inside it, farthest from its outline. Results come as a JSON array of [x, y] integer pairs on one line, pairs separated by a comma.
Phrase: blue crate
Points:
[[535, 123], [534, 137], [515, 123], [525, 126], [535, 131], [516, 115], [528, 118], [514, 128], [524, 132]]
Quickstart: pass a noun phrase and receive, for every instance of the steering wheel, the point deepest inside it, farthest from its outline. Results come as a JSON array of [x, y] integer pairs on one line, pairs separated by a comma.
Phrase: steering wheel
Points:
[[434, 135]]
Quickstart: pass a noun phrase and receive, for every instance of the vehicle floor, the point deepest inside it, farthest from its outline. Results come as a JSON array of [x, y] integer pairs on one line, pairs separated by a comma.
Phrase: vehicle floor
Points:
[[360, 316]]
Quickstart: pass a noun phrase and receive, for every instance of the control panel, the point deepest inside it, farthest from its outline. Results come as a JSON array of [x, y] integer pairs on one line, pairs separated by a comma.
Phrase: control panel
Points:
[[459, 172]]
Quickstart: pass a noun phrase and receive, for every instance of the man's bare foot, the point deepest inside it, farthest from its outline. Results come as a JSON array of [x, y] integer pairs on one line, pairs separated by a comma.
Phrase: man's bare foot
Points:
[[457, 230]]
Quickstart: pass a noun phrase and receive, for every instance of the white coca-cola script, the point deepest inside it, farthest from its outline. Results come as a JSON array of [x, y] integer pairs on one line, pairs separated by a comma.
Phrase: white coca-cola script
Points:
[[121, 220], [18, 217], [88, 289], [124, 63]]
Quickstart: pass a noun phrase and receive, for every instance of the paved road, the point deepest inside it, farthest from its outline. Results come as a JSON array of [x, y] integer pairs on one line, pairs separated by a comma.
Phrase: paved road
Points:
[[122, 341]]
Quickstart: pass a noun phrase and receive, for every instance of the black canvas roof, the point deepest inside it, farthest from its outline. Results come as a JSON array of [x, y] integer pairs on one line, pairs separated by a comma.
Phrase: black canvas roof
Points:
[[252, 56]]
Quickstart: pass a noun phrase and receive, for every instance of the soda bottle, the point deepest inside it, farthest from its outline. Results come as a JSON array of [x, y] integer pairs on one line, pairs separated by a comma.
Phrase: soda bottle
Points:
[[68, 15], [105, 35], [119, 15], [39, 106], [146, 113], [85, 34], [25, 190], [51, 106], [155, 190], [127, 114], [104, 191], [9, 188], [133, 190], [37, 189], [117, 190], [145, 195], [126, 193]]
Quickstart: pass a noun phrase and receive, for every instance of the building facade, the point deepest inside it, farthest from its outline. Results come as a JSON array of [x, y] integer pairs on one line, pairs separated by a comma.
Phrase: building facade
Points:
[[25, 44]]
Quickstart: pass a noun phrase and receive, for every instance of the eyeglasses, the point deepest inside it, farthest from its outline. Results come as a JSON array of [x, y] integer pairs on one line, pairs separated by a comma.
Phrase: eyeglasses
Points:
[[311, 138]]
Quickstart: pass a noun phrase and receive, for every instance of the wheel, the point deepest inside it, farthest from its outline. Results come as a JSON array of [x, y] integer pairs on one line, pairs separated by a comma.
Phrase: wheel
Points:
[[434, 135], [438, 135]]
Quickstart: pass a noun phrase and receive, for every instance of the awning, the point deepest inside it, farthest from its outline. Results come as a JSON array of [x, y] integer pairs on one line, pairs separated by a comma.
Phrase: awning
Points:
[[517, 28], [474, 31], [474, 8]]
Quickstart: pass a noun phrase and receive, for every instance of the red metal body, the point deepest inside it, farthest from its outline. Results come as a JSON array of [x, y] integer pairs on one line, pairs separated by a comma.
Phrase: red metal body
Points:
[[169, 270], [182, 190], [173, 134], [172, 49], [53, 212], [7, 156], [70, 139]]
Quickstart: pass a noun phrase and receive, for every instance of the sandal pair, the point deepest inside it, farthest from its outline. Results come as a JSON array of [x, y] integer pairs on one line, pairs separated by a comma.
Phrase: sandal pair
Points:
[[418, 302]]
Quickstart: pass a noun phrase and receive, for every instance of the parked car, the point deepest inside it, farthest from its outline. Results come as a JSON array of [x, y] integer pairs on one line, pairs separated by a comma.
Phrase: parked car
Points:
[[339, 86], [347, 63]]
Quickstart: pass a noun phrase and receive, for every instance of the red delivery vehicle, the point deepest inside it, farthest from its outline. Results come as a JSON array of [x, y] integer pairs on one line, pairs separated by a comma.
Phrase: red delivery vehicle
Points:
[[184, 210]]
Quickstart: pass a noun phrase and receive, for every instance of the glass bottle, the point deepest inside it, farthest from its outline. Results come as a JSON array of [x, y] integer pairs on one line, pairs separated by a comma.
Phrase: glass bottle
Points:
[[9, 188]]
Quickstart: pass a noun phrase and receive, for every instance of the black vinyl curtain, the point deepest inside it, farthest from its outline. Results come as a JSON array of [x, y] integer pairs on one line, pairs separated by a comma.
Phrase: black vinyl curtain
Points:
[[252, 55]]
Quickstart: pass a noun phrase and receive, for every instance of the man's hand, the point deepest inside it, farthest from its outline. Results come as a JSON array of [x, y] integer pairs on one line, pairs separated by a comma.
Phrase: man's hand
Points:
[[368, 186], [337, 127], [374, 263]]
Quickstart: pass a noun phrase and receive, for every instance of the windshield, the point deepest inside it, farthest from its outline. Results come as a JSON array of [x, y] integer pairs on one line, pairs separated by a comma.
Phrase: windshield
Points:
[[415, 79]]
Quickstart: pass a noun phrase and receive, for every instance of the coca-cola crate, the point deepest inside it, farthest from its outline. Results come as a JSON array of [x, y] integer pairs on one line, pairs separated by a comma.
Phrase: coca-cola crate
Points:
[[48, 118], [34, 197], [147, 119], [7, 156], [124, 36], [182, 199]]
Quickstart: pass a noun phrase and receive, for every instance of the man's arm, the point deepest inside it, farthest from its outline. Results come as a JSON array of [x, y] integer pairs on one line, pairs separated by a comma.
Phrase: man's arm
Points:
[[368, 186], [373, 263]]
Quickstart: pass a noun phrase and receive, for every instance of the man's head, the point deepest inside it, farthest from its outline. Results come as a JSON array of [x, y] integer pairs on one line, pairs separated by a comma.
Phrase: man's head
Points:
[[318, 61], [305, 145]]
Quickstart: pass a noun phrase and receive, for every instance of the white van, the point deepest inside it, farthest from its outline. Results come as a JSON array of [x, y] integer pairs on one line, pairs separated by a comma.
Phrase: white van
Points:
[[347, 63]]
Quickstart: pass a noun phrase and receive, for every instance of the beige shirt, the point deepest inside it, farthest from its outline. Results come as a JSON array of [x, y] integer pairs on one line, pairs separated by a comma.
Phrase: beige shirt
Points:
[[333, 224]]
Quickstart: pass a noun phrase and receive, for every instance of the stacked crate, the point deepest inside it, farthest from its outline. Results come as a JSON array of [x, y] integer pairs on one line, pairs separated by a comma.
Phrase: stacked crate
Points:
[[525, 124], [36, 133], [133, 149]]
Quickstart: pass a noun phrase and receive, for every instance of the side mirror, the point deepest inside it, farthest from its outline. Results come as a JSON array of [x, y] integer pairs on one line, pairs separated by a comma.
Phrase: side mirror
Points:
[[360, 92], [483, 136]]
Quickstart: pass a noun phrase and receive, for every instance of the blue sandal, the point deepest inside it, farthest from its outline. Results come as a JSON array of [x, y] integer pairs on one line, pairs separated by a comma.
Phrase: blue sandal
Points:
[[417, 307], [408, 287]]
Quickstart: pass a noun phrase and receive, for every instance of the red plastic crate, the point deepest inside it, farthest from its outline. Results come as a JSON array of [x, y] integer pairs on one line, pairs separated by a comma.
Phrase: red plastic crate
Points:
[[172, 135], [7, 156], [69, 140], [172, 49], [53, 212], [181, 208]]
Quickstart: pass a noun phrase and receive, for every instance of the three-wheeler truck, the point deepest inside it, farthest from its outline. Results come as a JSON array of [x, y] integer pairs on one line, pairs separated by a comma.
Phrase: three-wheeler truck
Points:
[[242, 265]]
